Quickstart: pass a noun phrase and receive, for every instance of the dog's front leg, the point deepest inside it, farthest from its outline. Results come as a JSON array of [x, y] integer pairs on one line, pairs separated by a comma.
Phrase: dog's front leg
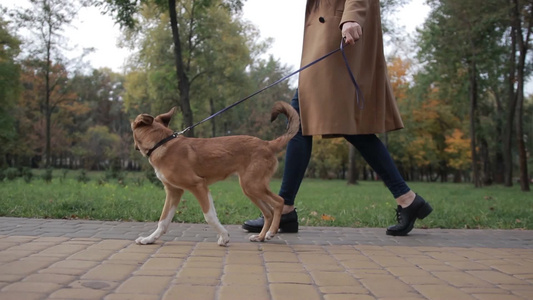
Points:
[[173, 197], [210, 214]]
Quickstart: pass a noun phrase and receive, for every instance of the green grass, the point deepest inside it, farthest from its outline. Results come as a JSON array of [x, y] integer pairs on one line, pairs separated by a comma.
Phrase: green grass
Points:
[[319, 203]]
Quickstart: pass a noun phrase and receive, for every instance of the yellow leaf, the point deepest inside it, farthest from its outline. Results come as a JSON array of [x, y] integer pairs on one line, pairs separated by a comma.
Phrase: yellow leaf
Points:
[[327, 217]]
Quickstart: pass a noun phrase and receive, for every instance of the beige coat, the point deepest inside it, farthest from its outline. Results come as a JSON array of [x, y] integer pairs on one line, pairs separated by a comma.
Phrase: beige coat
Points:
[[328, 103]]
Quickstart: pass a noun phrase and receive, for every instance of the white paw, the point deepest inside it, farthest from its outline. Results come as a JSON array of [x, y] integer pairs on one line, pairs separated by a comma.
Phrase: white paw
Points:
[[223, 239], [269, 235], [255, 238], [144, 240]]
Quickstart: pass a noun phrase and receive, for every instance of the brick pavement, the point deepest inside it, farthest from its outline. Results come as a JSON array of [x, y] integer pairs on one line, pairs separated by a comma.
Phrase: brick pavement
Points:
[[77, 259]]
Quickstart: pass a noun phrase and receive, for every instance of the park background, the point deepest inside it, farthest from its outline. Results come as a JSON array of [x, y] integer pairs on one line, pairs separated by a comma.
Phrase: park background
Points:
[[461, 82]]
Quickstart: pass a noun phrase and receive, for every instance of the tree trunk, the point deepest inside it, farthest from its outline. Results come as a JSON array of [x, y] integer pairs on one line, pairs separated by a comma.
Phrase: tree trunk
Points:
[[524, 178], [486, 170], [48, 92], [183, 80], [509, 120], [473, 108], [522, 47], [352, 168]]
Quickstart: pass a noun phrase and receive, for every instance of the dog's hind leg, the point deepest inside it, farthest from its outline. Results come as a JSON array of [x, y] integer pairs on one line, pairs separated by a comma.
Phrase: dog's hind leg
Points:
[[276, 202], [210, 214], [257, 192], [266, 210], [173, 197]]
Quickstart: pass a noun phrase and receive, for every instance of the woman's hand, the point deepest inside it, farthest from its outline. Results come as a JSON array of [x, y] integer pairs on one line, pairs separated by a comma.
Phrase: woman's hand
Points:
[[351, 32]]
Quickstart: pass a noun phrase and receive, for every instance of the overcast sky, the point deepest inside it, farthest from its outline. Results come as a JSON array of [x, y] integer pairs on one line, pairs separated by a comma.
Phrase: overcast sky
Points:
[[281, 20]]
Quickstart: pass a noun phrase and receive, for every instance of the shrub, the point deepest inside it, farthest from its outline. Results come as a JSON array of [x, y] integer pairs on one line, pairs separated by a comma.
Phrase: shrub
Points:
[[138, 181], [83, 176], [63, 175], [47, 175], [11, 173], [27, 175]]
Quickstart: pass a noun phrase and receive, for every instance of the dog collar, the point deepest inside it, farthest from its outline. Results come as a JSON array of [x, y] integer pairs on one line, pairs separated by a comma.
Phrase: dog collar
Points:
[[162, 142]]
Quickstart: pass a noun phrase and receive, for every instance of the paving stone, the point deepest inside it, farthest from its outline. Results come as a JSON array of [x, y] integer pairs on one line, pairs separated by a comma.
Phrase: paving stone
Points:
[[526, 294], [496, 277], [81, 259], [256, 268], [111, 272], [56, 278], [94, 284], [12, 255], [118, 296], [32, 287], [341, 289], [461, 279], [442, 292], [284, 257], [153, 285], [496, 297], [333, 279], [8, 278], [161, 264], [244, 279], [199, 276], [283, 291], [22, 296], [233, 292], [23, 267], [92, 255], [347, 297], [383, 286], [75, 294], [289, 277], [75, 264], [284, 267], [129, 257], [110, 245], [192, 292]]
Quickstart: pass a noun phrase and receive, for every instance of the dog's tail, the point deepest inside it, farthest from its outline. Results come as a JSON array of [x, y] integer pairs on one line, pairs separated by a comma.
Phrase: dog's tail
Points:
[[293, 125]]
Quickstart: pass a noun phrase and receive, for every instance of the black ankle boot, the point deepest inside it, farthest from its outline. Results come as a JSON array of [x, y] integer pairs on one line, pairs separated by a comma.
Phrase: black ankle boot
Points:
[[287, 224], [407, 216]]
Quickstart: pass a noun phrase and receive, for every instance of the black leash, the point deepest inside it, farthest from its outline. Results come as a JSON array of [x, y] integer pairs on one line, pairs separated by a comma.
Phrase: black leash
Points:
[[352, 77], [341, 48]]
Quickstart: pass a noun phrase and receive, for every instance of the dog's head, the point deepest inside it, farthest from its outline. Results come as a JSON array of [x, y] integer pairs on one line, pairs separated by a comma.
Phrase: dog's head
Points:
[[148, 131]]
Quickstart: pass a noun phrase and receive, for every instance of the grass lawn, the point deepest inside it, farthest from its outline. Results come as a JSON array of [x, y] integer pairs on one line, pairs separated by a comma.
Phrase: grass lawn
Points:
[[319, 203]]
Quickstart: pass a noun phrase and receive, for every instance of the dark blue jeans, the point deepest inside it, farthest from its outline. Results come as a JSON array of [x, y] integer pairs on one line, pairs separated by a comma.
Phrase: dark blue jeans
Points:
[[369, 145]]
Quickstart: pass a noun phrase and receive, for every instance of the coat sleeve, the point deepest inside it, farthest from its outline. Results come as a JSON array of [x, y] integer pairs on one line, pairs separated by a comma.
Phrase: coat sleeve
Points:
[[355, 11]]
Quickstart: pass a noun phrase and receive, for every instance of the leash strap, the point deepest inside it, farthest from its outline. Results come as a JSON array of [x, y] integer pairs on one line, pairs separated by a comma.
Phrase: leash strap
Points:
[[352, 77], [341, 48]]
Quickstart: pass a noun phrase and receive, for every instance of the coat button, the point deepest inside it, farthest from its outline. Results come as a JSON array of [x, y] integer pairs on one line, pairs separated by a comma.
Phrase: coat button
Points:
[[321, 20]]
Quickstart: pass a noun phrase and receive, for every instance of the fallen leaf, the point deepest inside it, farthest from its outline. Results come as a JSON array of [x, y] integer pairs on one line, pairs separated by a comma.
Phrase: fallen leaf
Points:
[[327, 217]]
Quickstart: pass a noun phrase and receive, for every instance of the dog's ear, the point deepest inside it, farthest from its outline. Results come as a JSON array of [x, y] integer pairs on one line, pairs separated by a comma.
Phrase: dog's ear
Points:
[[166, 117], [143, 120]]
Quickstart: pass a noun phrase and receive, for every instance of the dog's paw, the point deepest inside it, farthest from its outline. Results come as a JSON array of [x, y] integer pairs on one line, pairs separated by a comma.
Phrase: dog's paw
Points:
[[269, 235], [223, 239], [256, 238], [144, 240]]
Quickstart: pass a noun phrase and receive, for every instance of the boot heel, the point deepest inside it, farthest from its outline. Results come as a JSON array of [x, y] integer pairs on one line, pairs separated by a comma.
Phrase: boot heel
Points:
[[290, 227], [424, 211]]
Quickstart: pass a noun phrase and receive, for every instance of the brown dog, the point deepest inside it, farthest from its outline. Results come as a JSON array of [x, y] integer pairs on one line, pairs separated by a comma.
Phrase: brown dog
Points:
[[192, 164]]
